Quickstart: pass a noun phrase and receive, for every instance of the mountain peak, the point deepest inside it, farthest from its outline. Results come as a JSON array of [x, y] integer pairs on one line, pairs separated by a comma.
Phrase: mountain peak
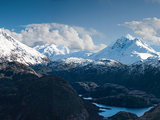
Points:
[[125, 42], [127, 50], [130, 37], [53, 51], [13, 50]]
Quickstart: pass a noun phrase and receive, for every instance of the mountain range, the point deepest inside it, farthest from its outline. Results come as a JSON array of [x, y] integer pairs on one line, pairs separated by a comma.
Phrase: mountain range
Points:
[[127, 50]]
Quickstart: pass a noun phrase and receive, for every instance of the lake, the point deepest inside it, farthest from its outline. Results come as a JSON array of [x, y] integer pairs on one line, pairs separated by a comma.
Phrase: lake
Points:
[[109, 111]]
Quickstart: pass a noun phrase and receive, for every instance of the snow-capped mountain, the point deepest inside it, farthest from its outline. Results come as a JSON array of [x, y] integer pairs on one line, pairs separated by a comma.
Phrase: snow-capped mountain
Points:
[[127, 50], [53, 51], [56, 52], [13, 50]]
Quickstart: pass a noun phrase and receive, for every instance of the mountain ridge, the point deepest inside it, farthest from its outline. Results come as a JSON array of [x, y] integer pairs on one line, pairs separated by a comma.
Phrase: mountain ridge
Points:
[[13, 50], [127, 50]]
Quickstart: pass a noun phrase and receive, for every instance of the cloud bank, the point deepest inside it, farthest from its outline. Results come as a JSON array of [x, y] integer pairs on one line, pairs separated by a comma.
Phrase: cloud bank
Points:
[[75, 38], [148, 29]]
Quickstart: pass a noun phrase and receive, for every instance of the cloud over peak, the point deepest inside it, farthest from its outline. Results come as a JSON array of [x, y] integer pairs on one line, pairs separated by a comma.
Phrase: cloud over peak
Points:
[[74, 37], [148, 28]]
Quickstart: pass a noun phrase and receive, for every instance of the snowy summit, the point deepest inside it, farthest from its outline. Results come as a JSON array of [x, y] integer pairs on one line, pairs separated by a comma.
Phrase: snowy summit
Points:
[[13, 50], [127, 50], [53, 51]]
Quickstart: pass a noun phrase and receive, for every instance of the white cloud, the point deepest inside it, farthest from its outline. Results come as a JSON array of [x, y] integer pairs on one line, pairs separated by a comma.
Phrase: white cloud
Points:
[[76, 38], [148, 28]]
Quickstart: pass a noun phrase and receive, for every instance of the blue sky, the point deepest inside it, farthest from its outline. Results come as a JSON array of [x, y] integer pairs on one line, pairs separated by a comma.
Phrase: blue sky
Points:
[[101, 15]]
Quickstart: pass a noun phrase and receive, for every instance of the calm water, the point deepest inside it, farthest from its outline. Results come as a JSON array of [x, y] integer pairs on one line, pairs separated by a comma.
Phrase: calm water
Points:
[[113, 110], [87, 98]]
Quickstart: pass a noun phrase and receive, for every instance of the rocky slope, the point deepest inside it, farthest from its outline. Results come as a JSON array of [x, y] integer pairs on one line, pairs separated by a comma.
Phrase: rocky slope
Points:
[[153, 114], [46, 98], [11, 69], [123, 116], [26, 96]]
